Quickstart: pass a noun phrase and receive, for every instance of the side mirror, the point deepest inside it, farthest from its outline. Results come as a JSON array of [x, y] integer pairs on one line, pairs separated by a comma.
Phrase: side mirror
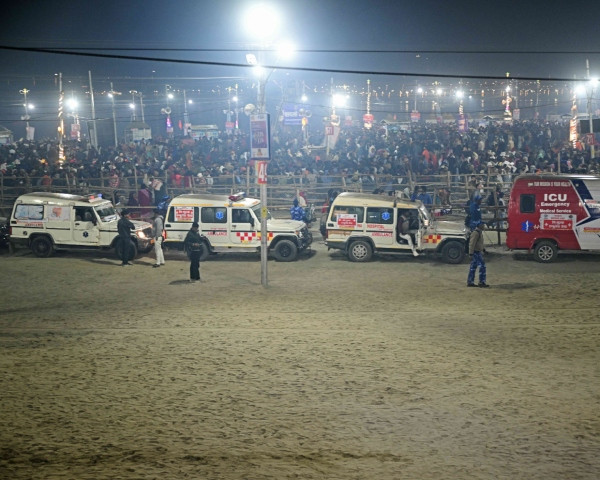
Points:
[[252, 221]]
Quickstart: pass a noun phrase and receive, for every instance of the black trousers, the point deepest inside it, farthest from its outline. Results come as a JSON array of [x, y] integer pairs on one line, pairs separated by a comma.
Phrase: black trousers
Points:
[[195, 265], [126, 249]]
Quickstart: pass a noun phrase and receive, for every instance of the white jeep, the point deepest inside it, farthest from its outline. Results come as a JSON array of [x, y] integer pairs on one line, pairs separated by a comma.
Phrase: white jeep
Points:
[[232, 224], [362, 224], [46, 222]]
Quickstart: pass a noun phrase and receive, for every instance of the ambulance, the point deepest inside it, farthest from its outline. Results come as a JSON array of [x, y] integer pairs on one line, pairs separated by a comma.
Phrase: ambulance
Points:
[[46, 222], [548, 213], [362, 224], [232, 224]]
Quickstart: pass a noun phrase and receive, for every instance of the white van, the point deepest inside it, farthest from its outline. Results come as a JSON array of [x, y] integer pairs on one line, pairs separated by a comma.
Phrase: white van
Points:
[[361, 224], [46, 222], [232, 224]]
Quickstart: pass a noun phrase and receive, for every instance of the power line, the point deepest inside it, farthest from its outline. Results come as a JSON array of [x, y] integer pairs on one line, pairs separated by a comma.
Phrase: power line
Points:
[[278, 67], [321, 50]]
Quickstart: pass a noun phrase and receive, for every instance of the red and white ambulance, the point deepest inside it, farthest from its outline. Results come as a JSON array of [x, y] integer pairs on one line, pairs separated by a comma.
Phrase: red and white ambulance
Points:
[[548, 213]]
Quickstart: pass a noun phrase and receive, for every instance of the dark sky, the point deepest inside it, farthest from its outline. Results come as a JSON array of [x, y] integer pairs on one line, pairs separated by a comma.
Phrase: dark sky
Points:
[[416, 41], [452, 26]]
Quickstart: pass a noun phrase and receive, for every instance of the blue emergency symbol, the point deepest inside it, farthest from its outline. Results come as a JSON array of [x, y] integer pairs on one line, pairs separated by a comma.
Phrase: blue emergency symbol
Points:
[[86, 234], [219, 215], [526, 226], [385, 216]]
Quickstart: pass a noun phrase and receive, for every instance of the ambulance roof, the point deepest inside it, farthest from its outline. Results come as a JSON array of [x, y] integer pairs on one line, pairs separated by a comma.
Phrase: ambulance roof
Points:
[[554, 176], [197, 200], [60, 198], [373, 200]]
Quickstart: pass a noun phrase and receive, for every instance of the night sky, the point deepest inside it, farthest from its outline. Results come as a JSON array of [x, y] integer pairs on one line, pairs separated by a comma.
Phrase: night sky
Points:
[[452, 26], [530, 39]]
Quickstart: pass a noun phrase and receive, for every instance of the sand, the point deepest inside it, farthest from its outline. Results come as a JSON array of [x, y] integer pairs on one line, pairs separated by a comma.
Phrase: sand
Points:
[[387, 370]]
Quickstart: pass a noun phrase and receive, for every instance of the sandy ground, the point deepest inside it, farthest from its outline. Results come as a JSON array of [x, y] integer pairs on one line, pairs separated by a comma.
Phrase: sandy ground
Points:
[[387, 370]]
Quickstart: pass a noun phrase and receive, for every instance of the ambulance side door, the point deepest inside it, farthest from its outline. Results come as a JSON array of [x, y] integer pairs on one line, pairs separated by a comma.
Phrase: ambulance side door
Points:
[[85, 225], [243, 228], [214, 225]]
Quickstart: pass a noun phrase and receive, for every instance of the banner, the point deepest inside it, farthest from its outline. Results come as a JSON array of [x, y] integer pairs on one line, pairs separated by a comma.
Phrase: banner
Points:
[[260, 136], [291, 113]]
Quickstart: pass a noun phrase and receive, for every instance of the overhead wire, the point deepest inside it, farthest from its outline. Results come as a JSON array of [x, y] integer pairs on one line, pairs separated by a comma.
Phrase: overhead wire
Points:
[[77, 52]]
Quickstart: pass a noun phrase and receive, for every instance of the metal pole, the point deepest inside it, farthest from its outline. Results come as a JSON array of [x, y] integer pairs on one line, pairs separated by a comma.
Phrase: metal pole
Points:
[[142, 107], [185, 112], [589, 109], [112, 96], [264, 278], [94, 138], [61, 121]]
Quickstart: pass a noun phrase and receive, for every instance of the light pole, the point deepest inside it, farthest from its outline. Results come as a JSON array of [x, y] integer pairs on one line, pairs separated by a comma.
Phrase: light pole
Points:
[[262, 20], [418, 91], [590, 91], [237, 110], [132, 105], [186, 119], [112, 94], [26, 117], [507, 100], [72, 103]]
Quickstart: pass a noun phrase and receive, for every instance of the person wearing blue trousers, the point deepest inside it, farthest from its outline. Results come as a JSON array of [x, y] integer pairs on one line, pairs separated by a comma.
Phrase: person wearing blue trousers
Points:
[[477, 261]]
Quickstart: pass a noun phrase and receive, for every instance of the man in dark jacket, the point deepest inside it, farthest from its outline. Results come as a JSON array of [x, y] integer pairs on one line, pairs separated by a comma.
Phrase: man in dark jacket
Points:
[[193, 245], [476, 253], [125, 226]]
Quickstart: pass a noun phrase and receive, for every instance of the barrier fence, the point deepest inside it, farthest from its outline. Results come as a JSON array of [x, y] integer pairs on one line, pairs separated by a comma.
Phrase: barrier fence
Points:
[[449, 193]]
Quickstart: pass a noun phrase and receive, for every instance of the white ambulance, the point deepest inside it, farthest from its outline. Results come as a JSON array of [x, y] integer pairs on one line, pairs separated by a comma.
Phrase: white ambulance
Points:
[[46, 222], [362, 224], [232, 224]]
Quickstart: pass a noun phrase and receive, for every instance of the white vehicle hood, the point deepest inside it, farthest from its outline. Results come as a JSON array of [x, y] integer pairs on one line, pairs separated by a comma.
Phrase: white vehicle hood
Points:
[[279, 225], [139, 225], [449, 227]]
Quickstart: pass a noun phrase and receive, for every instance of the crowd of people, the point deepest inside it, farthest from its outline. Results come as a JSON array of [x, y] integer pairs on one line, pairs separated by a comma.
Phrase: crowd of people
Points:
[[376, 158]]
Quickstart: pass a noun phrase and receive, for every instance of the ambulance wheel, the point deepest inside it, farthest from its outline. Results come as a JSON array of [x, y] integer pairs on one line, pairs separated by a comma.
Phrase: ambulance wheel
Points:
[[133, 251], [545, 251], [285, 251], [453, 252], [42, 247], [360, 251]]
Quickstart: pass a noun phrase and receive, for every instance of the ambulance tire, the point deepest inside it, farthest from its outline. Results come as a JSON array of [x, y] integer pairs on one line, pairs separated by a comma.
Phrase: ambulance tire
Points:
[[285, 251], [360, 251], [545, 251], [42, 246], [453, 252], [133, 251]]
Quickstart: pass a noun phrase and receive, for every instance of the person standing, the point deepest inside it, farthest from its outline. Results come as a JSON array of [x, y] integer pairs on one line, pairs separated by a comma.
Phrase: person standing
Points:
[[297, 212], [476, 253], [124, 227], [193, 245], [158, 226]]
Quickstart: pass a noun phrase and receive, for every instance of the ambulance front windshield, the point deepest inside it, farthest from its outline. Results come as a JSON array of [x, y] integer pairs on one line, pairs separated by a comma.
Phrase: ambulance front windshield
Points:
[[424, 215], [106, 212], [256, 209]]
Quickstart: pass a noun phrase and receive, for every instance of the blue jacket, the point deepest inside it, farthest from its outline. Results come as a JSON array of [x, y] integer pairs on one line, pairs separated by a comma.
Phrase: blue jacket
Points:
[[297, 213], [475, 212]]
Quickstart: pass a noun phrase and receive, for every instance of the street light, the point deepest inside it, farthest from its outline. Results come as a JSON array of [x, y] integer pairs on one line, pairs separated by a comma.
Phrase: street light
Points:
[[262, 21], [26, 117], [112, 95], [72, 103]]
